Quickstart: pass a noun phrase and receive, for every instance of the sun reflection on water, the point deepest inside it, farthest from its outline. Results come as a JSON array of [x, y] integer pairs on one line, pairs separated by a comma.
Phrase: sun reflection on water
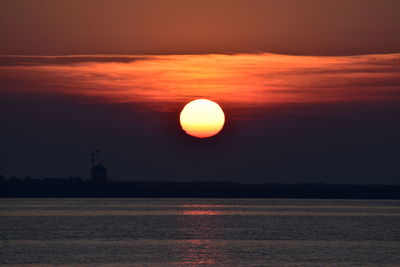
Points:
[[202, 232]]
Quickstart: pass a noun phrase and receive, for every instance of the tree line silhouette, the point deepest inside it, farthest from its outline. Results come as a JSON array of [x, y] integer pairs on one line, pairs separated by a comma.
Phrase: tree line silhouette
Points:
[[78, 187]]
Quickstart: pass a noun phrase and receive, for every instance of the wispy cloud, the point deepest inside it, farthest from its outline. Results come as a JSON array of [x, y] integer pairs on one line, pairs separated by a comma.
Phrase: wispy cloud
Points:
[[242, 80]]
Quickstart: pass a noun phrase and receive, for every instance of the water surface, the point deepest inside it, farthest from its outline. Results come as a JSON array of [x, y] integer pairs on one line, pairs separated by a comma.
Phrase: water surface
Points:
[[199, 232]]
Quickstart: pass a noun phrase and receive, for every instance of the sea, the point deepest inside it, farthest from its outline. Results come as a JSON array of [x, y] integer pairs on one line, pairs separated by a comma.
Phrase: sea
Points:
[[199, 232]]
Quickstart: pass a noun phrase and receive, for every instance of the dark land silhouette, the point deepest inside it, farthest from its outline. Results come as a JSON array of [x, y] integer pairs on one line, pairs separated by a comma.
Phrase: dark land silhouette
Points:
[[100, 185], [77, 187]]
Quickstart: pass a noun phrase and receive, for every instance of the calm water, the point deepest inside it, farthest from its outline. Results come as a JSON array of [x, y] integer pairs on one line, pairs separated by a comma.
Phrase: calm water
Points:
[[199, 232]]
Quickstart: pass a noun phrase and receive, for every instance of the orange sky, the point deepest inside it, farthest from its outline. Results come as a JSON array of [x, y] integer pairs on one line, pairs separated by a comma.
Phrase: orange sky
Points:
[[286, 116], [322, 27], [235, 81], [310, 88]]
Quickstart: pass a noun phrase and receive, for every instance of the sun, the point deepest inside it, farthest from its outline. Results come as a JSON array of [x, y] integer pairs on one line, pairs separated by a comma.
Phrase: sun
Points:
[[202, 118]]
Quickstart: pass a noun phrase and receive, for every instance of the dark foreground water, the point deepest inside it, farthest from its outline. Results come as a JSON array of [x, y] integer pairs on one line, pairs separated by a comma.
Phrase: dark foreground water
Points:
[[199, 232]]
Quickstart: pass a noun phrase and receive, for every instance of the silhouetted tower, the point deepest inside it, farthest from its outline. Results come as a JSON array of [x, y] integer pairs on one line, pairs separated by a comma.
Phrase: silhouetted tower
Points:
[[98, 170]]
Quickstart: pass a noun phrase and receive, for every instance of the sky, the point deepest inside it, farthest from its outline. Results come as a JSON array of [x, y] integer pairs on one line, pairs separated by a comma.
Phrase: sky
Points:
[[313, 27], [310, 89]]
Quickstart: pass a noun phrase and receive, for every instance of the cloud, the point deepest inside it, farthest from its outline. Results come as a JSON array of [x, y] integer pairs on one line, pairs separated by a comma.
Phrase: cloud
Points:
[[242, 80], [9, 60]]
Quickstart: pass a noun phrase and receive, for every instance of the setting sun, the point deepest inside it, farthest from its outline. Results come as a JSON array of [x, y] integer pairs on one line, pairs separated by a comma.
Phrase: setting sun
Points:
[[202, 118]]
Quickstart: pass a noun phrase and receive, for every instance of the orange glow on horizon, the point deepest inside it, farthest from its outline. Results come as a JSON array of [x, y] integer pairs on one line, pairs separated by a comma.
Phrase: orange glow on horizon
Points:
[[202, 118], [241, 82]]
